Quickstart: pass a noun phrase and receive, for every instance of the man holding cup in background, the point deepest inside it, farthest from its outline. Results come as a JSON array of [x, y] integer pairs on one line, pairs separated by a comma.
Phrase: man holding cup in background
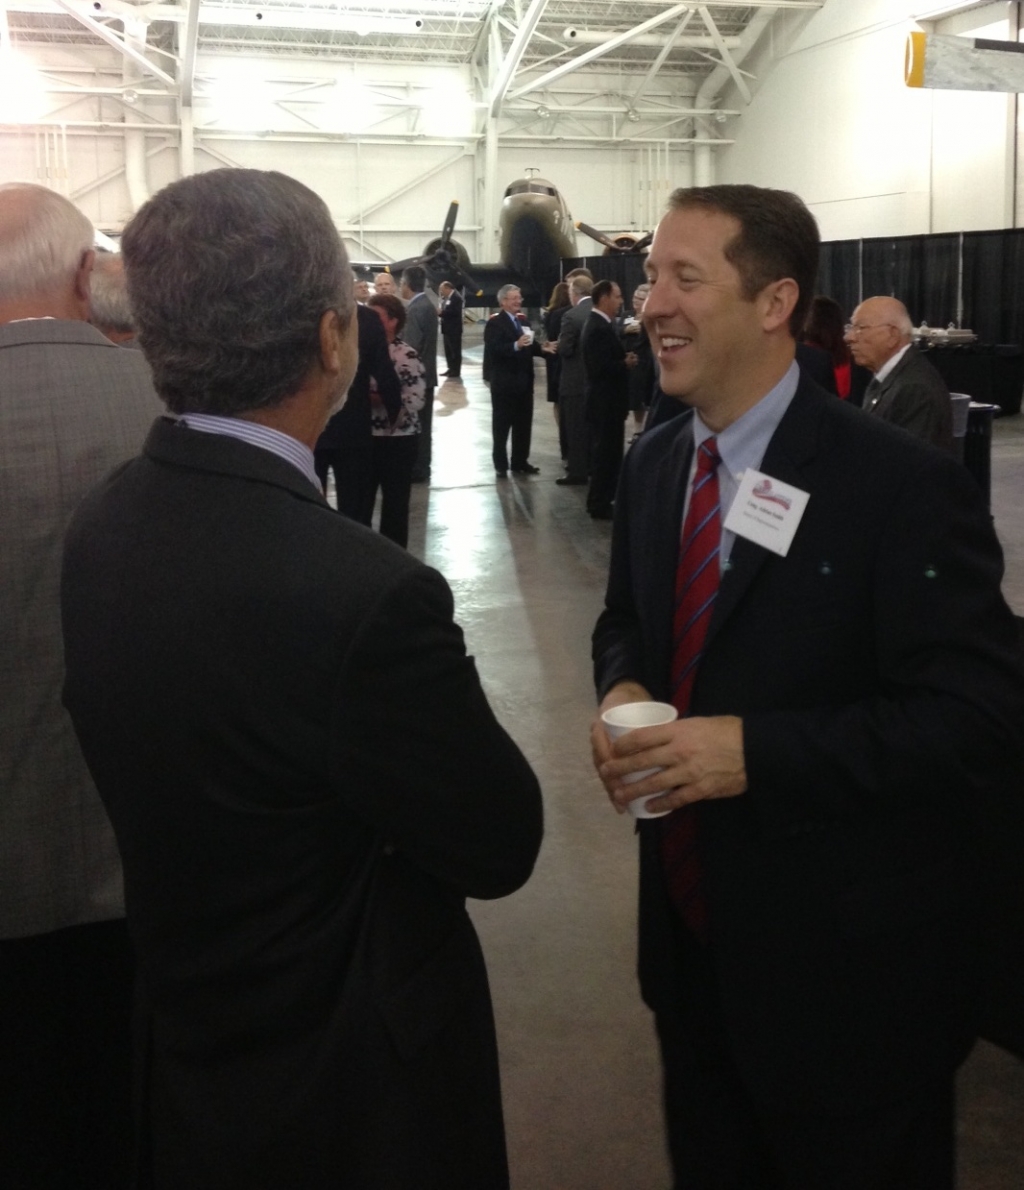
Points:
[[817, 596]]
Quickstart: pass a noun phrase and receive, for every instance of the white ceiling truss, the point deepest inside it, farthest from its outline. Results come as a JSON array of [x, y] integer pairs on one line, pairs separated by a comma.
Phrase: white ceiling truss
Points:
[[530, 72], [518, 52]]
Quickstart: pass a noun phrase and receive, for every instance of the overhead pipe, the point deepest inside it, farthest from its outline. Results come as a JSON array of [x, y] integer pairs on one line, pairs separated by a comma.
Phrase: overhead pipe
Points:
[[707, 92], [695, 41], [135, 172]]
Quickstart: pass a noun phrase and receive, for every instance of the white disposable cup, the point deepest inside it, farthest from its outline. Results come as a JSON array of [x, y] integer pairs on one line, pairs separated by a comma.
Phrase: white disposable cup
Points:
[[528, 333], [628, 717]]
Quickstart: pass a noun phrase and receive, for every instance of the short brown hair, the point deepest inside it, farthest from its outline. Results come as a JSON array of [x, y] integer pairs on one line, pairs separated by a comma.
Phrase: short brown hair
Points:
[[391, 306], [778, 238]]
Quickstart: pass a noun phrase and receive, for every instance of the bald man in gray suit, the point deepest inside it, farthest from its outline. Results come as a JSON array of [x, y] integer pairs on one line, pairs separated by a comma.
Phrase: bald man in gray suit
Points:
[[72, 406]]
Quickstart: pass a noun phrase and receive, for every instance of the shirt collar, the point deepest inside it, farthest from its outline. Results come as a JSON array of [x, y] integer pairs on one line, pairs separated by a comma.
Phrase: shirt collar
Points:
[[598, 310], [742, 444], [891, 363], [283, 445]]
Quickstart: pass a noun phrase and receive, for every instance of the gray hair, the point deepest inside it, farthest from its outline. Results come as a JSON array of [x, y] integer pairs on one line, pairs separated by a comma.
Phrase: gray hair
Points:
[[109, 307], [504, 291], [229, 274], [43, 238], [581, 286]]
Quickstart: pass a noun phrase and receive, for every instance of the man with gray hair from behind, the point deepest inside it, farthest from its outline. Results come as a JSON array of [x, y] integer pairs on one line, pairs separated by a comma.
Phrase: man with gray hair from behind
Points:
[[110, 311], [304, 774], [72, 406]]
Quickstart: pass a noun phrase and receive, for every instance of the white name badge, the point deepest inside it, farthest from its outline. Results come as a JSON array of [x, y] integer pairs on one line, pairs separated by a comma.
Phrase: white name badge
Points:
[[766, 511]]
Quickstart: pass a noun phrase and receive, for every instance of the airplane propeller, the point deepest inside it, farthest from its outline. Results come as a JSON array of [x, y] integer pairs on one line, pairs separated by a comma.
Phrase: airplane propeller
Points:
[[631, 247], [442, 257]]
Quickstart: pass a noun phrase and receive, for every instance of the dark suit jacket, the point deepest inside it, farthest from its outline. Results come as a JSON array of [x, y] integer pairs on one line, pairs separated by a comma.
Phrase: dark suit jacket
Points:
[[875, 672], [915, 397], [604, 365], [451, 314], [306, 781], [350, 427], [509, 371], [572, 381]]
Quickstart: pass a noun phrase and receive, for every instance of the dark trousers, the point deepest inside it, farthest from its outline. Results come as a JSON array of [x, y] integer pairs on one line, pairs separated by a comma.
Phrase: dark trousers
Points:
[[720, 1139], [572, 416], [65, 1059], [453, 352], [606, 458], [393, 461], [421, 468], [511, 410], [353, 478]]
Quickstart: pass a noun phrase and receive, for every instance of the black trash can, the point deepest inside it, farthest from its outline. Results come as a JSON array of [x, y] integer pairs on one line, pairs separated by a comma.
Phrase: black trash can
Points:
[[978, 447]]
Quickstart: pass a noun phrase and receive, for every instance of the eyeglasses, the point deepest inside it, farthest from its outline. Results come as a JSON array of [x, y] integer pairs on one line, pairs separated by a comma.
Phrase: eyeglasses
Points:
[[856, 328]]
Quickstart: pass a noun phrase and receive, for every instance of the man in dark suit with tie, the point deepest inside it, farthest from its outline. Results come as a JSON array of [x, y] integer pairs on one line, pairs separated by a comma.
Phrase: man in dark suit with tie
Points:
[[509, 351], [451, 328], [303, 773], [606, 367], [906, 389], [818, 595]]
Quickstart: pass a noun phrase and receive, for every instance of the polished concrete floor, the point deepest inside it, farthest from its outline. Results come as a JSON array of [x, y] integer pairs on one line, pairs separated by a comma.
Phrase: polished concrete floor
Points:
[[579, 1067]]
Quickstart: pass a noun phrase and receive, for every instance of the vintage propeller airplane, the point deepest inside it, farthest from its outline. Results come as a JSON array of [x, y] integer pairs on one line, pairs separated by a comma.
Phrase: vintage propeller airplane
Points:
[[536, 233]]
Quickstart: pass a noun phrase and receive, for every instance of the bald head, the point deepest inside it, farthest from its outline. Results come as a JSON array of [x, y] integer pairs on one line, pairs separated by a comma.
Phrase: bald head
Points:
[[879, 328], [45, 255]]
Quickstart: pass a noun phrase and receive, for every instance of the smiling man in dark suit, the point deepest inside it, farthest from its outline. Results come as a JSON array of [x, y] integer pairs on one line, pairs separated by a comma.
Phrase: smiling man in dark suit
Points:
[[819, 596], [303, 773], [509, 350]]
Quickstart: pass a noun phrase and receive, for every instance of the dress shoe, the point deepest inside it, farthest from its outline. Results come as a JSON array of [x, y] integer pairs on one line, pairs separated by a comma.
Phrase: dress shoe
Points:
[[501, 475], [571, 481], [526, 469], [601, 514]]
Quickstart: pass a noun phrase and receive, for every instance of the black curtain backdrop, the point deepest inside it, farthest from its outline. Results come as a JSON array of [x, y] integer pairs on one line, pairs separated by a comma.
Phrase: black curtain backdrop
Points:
[[624, 267], [924, 272], [839, 273], [994, 285]]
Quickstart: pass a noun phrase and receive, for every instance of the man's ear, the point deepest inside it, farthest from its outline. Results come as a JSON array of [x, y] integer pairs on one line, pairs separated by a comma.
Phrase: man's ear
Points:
[[330, 342], [778, 299], [83, 278]]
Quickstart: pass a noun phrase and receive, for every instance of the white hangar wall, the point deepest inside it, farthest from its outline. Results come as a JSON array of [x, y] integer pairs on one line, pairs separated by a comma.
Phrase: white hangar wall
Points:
[[835, 122]]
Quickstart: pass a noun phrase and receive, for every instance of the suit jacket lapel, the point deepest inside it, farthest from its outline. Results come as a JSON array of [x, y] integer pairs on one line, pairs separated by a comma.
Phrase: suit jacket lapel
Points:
[[792, 446]]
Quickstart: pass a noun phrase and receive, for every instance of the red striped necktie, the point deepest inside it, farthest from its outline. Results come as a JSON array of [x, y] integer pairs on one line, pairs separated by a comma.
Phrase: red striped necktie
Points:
[[697, 575]]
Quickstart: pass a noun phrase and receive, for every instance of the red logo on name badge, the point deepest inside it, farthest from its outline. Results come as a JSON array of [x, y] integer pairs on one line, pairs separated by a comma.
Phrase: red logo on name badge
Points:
[[764, 491]]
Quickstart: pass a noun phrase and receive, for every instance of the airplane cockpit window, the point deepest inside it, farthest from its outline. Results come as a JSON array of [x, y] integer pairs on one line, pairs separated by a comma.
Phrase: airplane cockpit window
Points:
[[518, 188]]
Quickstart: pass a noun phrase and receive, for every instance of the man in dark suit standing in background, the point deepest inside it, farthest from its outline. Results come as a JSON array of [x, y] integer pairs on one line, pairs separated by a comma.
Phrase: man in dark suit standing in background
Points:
[[303, 772], [509, 351], [606, 367], [572, 384], [421, 335], [818, 595], [72, 406], [451, 328], [906, 389]]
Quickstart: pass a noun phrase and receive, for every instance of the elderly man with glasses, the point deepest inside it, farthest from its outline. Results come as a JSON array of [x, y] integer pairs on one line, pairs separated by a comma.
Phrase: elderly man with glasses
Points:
[[906, 389]]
